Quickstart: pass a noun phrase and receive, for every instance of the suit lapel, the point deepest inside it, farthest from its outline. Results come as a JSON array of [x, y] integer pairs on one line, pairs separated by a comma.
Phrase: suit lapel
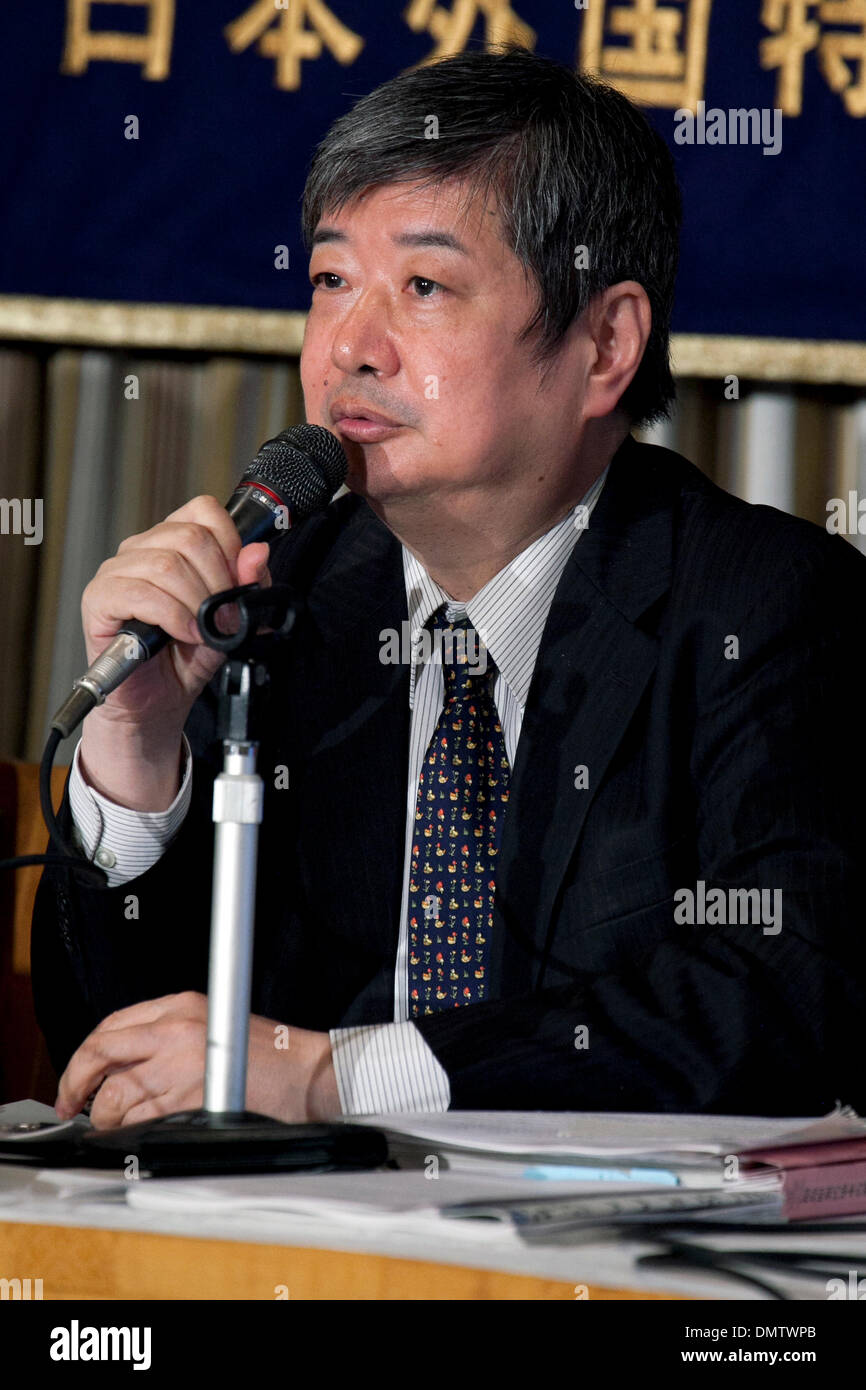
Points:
[[593, 666], [351, 722]]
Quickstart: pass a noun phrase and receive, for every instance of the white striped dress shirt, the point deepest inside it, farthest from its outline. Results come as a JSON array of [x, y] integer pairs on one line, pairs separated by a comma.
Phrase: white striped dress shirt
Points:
[[384, 1068]]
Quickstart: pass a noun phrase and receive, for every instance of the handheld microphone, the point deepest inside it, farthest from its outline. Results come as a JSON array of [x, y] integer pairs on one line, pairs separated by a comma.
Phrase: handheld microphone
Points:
[[292, 476]]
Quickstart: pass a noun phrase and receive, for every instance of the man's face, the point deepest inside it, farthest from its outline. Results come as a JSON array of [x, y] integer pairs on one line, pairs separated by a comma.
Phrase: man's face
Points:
[[416, 309]]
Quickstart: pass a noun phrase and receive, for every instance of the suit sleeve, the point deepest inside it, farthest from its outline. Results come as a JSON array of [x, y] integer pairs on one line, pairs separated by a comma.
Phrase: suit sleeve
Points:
[[726, 1018], [96, 950]]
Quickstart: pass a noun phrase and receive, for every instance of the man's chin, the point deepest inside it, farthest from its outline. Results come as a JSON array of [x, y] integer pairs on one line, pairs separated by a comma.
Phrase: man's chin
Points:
[[356, 474], [376, 475]]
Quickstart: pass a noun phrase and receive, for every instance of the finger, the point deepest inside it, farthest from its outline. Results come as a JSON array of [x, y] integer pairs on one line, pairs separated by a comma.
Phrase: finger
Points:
[[169, 1097], [168, 570], [197, 545], [227, 618], [153, 1109], [105, 607], [252, 569], [148, 1011], [253, 564], [98, 1056], [117, 1095], [209, 513], [188, 1004]]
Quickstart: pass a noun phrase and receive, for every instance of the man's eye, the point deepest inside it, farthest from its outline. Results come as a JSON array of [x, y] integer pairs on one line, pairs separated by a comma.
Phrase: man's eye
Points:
[[427, 289], [420, 281]]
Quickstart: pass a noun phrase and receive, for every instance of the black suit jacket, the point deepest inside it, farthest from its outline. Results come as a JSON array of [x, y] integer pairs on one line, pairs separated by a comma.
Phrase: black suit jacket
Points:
[[740, 772]]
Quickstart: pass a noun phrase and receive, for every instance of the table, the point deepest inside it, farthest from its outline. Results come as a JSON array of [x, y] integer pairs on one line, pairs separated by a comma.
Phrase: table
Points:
[[81, 1263]]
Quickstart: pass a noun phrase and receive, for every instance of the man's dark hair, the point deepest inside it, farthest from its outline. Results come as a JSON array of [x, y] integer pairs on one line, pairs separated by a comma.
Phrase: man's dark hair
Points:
[[570, 162]]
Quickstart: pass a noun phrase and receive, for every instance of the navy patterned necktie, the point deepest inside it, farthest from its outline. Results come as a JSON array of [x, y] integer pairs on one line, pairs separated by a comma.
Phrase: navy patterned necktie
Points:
[[459, 813]]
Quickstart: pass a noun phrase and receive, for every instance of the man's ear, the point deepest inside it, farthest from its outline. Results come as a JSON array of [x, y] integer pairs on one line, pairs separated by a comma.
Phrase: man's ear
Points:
[[618, 322]]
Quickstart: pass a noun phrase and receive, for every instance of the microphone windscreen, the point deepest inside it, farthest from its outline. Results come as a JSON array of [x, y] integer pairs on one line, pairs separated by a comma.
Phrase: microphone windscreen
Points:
[[303, 465]]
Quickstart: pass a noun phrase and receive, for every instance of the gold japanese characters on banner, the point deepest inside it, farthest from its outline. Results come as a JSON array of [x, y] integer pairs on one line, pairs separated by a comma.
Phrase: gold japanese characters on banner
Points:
[[655, 51], [452, 27], [282, 36], [663, 59], [801, 26], [152, 50]]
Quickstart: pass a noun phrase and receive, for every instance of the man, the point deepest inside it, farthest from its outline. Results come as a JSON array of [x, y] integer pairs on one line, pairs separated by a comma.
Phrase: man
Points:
[[603, 857]]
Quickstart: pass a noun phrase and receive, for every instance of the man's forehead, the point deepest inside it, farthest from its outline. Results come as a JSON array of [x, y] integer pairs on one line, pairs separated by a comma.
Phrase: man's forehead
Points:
[[450, 216]]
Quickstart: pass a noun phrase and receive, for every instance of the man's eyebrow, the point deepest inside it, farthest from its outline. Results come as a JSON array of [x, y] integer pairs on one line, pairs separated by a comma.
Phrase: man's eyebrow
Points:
[[323, 234], [446, 240]]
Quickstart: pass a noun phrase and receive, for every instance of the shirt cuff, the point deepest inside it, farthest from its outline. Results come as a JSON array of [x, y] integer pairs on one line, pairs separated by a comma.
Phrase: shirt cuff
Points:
[[123, 842], [385, 1068]]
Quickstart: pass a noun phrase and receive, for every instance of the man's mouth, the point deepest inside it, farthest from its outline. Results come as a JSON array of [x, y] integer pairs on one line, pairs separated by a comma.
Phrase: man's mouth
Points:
[[365, 425], [352, 411]]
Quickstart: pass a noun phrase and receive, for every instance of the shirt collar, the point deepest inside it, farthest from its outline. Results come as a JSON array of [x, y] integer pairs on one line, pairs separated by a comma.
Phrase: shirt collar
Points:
[[509, 613]]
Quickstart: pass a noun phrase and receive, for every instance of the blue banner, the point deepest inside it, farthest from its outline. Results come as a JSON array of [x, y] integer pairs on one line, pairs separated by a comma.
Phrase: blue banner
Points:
[[155, 152]]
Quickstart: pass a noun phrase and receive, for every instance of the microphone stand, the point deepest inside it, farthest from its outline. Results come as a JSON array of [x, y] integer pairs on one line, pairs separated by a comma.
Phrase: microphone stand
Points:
[[223, 1136], [237, 814]]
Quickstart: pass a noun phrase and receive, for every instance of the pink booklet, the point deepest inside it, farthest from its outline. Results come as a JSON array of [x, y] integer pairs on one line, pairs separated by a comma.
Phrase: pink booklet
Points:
[[822, 1168]]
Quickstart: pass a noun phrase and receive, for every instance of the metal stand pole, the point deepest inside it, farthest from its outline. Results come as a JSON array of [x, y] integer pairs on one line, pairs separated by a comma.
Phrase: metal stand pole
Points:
[[237, 814]]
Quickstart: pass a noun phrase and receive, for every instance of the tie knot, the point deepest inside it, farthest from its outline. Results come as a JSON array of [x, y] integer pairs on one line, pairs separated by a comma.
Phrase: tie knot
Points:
[[457, 647]]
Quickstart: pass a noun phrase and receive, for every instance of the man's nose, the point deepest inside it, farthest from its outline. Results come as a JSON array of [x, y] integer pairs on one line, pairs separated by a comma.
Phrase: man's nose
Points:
[[363, 337]]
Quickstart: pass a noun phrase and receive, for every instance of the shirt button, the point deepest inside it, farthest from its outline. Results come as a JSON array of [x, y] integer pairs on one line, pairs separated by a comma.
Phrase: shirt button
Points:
[[106, 859]]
